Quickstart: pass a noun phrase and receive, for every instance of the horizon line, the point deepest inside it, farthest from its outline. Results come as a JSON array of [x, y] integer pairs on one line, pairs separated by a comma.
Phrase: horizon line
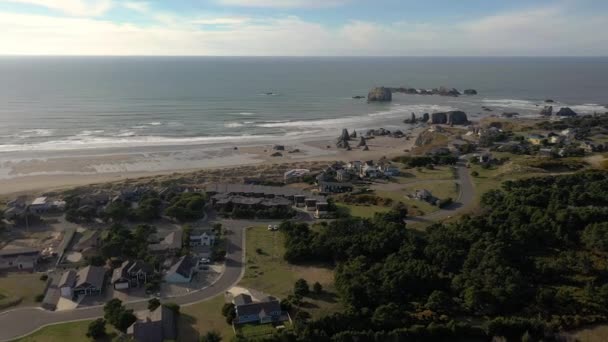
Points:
[[308, 56]]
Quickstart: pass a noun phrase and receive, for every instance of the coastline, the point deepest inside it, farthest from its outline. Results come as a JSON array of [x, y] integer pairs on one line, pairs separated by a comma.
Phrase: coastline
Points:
[[56, 173]]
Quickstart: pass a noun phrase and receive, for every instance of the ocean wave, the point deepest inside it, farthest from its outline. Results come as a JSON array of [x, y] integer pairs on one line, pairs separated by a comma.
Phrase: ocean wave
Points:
[[156, 123], [38, 132], [245, 113], [396, 112], [233, 124], [126, 134], [87, 133], [84, 143]]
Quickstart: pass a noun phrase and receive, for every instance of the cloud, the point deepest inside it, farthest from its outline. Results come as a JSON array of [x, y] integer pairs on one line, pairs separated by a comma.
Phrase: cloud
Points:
[[137, 6], [86, 8], [284, 3], [552, 31], [221, 21]]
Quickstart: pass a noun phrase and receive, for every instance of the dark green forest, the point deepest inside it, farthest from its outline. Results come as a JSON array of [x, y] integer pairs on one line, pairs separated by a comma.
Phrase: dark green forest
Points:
[[532, 264]]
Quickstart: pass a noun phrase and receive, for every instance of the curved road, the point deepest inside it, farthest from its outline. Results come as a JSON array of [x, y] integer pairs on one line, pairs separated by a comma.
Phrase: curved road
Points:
[[465, 198], [21, 322]]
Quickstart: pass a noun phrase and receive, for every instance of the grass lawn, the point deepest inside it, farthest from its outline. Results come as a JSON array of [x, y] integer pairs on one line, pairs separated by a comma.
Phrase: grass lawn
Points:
[[365, 211], [409, 175], [259, 330], [73, 332], [200, 318], [20, 285], [266, 272]]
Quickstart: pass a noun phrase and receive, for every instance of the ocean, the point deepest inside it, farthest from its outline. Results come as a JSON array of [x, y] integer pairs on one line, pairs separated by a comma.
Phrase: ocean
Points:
[[64, 104]]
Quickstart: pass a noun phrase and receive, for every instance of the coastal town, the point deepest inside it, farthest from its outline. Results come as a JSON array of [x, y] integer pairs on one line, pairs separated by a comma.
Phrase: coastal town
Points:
[[144, 253]]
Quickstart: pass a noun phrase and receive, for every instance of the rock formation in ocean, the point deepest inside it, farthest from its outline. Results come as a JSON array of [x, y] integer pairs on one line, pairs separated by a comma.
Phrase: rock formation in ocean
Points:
[[509, 114], [547, 111], [277, 154], [425, 117], [470, 92], [353, 135], [344, 136], [565, 111], [549, 101], [365, 148], [357, 97], [362, 142], [450, 118], [380, 94], [411, 120]]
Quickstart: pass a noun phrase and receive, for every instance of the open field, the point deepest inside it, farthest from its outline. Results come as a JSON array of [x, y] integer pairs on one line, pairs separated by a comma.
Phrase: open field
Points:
[[364, 211], [73, 332], [200, 318], [21, 288]]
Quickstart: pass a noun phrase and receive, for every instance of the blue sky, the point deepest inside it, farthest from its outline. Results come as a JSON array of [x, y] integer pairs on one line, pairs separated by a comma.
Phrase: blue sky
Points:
[[305, 27]]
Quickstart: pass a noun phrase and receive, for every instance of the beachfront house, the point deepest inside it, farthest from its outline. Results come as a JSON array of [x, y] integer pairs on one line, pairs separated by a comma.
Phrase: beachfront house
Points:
[[295, 175], [21, 259], [86, 281], [154, 326], [39, 205], [182, 271], [267, 310]]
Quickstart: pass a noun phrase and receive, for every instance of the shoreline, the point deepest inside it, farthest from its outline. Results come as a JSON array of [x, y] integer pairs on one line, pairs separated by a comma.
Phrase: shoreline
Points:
[[59, 173]]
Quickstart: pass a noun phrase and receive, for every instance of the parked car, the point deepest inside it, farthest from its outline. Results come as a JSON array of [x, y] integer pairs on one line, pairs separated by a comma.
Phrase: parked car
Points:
[[205, 261]]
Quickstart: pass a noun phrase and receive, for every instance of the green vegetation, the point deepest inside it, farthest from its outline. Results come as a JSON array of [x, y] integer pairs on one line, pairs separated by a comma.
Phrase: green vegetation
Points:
[[19, 289], [97, 329], [198, 319], [531, 265], [123, 243], [187, 206], [73, 332], [116, 314]]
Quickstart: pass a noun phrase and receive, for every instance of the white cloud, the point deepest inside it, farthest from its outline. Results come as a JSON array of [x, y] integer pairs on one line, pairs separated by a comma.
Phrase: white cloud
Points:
[[138, 6], [221, 21], [72, 7], [548, 31], [284, 3]]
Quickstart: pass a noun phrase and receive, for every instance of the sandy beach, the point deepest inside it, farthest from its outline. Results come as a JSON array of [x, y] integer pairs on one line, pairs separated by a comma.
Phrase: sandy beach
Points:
[[60, 172]]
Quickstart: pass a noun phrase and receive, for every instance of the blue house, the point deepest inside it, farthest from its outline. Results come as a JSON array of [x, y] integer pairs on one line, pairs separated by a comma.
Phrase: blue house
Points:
[[266, 311]]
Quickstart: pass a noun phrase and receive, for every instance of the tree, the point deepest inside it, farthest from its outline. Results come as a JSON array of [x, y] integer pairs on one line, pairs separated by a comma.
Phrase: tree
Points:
[[301, 288], [153, 304], [112, 310], [125, 319], [97, 329], [173, 307], [317, 288], [229, 311], [211, 336]]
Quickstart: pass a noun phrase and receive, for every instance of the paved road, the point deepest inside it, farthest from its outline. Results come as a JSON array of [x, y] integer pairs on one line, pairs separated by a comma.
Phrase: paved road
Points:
[[21, 322], [465, 197]]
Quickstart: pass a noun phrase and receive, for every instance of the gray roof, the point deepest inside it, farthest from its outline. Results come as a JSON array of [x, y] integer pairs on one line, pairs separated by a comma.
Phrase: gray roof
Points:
[[172, 241], [183, 266], [155, 326], [91, 275], [242, 299], [263, 308], [68, 278], [10, 253]]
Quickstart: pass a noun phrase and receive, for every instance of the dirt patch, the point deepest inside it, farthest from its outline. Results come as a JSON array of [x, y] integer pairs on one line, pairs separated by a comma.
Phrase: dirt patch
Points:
[[325, 276]]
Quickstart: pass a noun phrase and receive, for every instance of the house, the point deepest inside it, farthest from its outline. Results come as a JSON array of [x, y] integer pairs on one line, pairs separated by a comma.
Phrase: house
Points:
[[535, 139], [343, 175], [354, 166], [170, 245], [267, 310], [86, 281], [295, 175], [390, 170], [556, 139], [426, 196], [40, 205], [322, 208], [369, 170], [19, 259], [310, 204], [334, 187], [154, 326], [587, 146], [182, 271], [202, 239], [131, 274]]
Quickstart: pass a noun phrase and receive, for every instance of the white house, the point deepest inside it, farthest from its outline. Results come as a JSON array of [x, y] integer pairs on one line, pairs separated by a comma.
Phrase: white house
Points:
[[87, 281], [19, 259], [354, 165], [369, 171], [202, 239]]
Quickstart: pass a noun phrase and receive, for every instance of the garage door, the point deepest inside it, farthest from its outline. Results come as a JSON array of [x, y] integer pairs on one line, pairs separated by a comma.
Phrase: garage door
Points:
[[121, 286]]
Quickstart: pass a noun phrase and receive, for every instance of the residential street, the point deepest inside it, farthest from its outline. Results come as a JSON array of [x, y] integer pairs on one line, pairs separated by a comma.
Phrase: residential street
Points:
[[24, 321]]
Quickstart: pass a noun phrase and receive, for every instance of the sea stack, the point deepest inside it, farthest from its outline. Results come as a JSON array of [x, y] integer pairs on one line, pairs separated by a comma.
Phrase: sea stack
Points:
[[362, 142], [547, 111], [380, 94], [566, 111]]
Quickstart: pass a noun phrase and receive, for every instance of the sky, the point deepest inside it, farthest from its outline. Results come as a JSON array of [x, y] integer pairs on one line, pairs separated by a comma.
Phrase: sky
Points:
[[304, 27]]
